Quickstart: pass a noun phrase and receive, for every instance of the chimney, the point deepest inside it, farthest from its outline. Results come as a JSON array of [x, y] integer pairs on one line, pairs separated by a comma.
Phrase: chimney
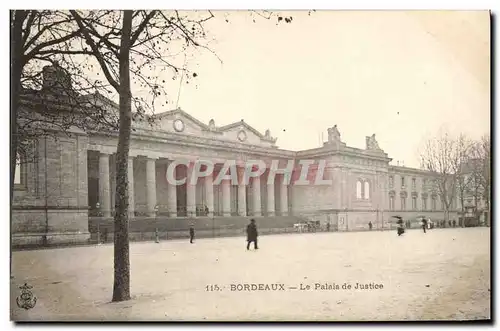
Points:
[[56, 79]]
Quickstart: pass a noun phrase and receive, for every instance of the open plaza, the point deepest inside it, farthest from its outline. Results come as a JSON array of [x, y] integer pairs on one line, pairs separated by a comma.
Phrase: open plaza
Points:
[[443, 274]]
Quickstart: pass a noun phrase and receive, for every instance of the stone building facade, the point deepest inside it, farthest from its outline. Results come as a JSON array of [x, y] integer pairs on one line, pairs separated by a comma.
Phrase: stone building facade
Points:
[[72, 180]]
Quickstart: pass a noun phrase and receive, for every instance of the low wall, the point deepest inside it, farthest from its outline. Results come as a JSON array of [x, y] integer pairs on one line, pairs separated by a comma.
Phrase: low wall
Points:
[[53, 226]]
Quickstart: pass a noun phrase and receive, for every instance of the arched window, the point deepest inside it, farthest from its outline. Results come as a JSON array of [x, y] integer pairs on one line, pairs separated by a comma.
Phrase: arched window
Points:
[[367, 190], [391, 202], [359, 187]]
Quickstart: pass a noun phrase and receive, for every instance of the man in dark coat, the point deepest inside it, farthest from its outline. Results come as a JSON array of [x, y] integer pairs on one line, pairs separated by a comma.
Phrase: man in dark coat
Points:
[[252, 234], [191, 233], [424, 224], [370, 225]]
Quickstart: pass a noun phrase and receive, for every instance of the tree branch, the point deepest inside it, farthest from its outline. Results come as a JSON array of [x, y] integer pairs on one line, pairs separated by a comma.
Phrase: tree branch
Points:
[[36, 49], [141, 27], [95, 51]]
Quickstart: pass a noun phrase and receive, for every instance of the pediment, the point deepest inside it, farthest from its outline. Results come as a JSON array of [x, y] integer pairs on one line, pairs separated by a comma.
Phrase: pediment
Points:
[[179, 121], [244, 133]]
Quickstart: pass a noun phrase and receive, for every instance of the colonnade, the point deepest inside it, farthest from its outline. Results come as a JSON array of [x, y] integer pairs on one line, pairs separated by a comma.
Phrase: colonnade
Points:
[[255, 207]]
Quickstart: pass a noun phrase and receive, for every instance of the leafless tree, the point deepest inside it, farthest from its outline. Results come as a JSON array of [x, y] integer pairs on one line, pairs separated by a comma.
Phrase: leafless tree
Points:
[[36, 36], [30, 38], [481, 172], [126, 47], [443, 156], [50, 102], [461, 161]]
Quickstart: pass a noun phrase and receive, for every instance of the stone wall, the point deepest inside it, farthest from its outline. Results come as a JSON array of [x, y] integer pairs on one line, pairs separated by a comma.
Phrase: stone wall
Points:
[[53, 203]]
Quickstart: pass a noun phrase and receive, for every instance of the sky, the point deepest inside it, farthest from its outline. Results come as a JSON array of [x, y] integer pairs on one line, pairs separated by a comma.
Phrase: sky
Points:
[[404, 76]]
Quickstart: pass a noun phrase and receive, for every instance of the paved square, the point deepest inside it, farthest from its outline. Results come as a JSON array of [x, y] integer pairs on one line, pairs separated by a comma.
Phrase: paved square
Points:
[[444, 274]]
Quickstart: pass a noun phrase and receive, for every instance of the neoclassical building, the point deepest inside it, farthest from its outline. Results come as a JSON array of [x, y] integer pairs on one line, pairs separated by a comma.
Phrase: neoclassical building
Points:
[[71, 181]]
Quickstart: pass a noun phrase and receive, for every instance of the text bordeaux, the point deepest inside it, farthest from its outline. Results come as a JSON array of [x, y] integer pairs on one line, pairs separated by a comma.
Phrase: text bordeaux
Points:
[[258, 287]]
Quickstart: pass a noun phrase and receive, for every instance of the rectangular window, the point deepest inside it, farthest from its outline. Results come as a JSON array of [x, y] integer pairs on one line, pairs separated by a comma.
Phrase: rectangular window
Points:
[[434, 203], [403, 203], [414, 203], [402, 182], [17, 175], [391, 181], [391, 203], [424, 184], [424, 204], [20, 174], [413, 182]]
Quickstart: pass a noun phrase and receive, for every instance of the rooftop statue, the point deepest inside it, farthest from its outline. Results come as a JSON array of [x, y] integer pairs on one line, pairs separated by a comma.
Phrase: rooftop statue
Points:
[[333, 134], [371, 143]]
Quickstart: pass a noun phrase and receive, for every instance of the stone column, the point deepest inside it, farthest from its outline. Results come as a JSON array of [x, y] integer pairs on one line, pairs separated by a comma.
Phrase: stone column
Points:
[[172, 197], [226, 197], [256, 196], [151, 186], [283, 196], [242, 193], [209, 191], [130, 174], [270, 198], [190, 192], [104, 192]]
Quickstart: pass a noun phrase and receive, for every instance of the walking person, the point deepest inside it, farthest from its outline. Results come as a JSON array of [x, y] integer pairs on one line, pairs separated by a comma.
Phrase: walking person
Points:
[[252, 234], [370, 225], [328, 227], [191, 233], [424, 224]]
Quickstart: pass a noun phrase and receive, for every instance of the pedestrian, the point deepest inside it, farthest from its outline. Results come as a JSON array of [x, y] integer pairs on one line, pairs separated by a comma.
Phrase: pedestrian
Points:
[[449, 223], [454, 223], [370, 225], [206, 211], [401, 228], [191, 233], [328, 227], [424, 224], [252, 234]]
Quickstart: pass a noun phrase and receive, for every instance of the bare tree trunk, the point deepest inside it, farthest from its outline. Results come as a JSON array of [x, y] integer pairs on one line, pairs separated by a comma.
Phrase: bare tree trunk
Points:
[[487, 204], [121, 286], [16, 53], [487, 220], [462, 202]]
